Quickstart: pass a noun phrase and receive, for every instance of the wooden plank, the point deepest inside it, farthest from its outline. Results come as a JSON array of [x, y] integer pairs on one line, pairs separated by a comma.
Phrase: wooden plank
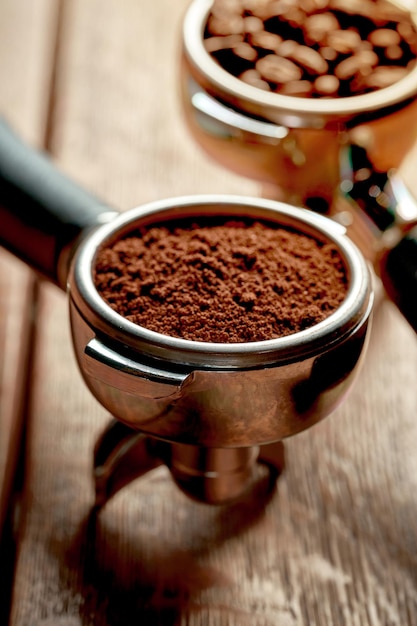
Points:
[[16, 297], [337, 542], [26, 47], [25, 68], [24, 74]]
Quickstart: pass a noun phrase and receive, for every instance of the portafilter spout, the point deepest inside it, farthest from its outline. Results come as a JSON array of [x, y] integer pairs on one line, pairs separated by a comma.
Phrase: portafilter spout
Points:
[[209, 411]]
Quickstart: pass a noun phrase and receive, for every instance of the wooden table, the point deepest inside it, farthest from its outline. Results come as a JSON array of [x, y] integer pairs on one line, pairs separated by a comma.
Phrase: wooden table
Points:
[[95, 83]]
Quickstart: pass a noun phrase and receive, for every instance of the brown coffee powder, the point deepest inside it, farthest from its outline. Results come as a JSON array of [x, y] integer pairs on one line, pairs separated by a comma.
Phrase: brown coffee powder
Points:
[[222, 282]]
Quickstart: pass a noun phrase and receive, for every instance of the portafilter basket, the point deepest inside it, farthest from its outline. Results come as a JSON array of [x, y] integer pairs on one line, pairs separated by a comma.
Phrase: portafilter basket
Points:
[[338, 156], [209, 411]]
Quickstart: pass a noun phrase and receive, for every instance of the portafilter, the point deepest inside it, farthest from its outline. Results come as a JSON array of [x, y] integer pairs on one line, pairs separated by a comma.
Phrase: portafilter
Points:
[[209, 411]]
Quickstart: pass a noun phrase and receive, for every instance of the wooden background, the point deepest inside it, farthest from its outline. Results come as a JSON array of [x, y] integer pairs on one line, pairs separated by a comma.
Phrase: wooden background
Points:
[[95, 83]]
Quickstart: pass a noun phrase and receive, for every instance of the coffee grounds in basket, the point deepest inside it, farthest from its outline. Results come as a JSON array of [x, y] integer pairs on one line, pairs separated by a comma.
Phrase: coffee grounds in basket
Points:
[[226, 282]]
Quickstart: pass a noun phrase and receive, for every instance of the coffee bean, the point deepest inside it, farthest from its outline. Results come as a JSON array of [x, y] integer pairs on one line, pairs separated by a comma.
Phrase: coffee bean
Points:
[[294, 17], [360, 63], [297, 88], [287, 48], [245, 51], [327, 85], [409, 34], [328, 53], [384, 76], [317, 26], [213, 44], [347, 68], [253, 78], [344, 41], [265, 40], [277, 69], [309, 59], [253, 24], [384, 37], [224, 7], [393, 53], [230, 25]]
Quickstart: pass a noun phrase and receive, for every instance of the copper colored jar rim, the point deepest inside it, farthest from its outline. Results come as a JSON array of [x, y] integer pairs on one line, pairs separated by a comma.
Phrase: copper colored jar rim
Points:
[[288, 110]]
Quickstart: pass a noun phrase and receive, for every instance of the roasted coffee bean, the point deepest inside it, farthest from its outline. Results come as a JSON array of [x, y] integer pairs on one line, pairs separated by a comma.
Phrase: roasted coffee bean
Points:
[[384, 37], [327, 85], [229, 25], [287, 48], [214, 44], [245, 51], [278, 70], [360, 63], [385, 76], [309, 59], [265, 40], [224, 7], [393, 53], [408, 34], [317, 26], [344, 41], [253, 24], [328, 53], [294, 17], [352, 46], [253, 78], [297, 88], [367, 57]]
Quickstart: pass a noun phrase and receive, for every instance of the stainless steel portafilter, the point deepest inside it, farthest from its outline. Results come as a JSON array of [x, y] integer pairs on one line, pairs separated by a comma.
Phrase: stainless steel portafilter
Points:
[[335, 155], [209, 411]]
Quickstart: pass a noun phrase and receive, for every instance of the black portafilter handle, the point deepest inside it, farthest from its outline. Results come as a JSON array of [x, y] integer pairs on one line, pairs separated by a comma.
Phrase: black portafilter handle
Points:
[[42, 212]]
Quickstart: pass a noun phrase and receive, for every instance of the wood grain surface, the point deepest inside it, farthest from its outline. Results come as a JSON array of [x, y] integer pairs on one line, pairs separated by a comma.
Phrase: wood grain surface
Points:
[[25, 61], [336, 544]]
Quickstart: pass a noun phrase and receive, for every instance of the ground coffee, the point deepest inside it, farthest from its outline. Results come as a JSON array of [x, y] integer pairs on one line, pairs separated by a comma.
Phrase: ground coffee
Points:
[[221, 282], [313, 48]]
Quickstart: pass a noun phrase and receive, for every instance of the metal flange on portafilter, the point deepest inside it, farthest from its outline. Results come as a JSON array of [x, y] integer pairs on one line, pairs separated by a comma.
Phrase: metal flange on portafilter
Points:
[[338, 155], [211, 412]]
